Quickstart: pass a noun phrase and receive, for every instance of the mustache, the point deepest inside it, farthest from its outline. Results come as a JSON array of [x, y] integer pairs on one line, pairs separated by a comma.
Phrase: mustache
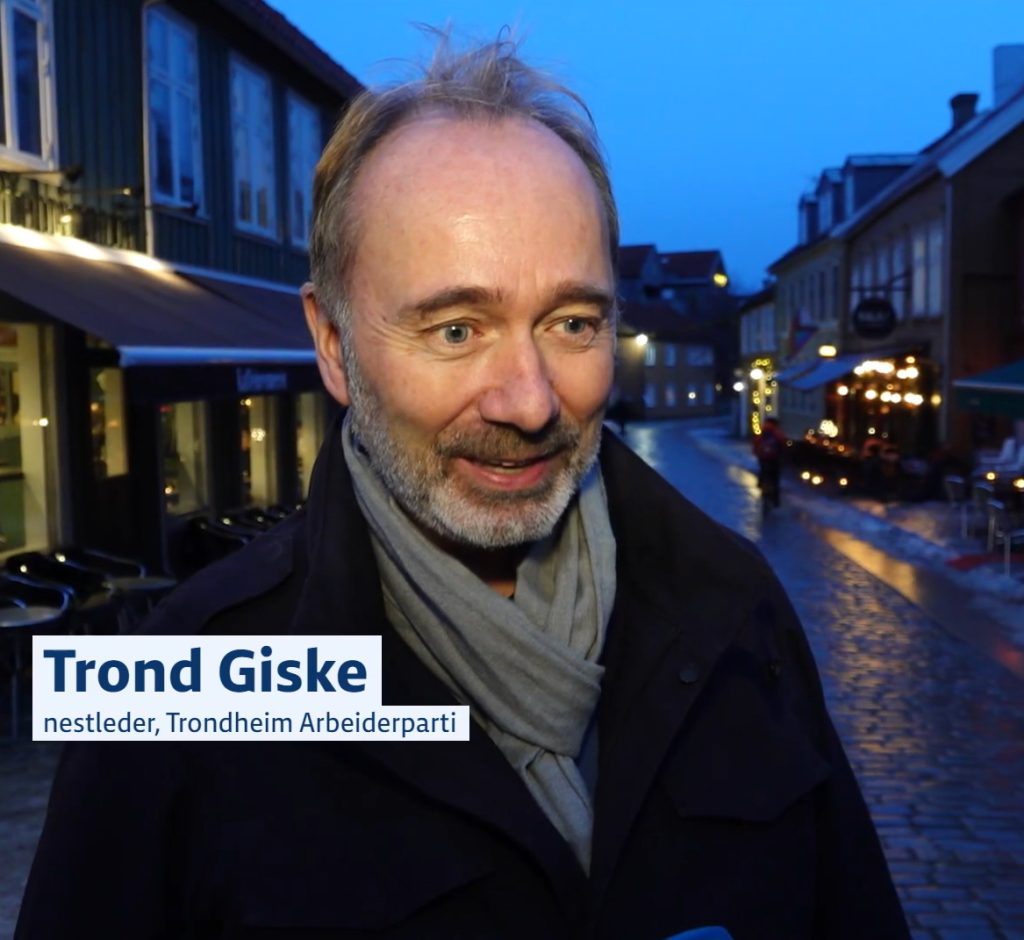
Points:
[[493, 444]]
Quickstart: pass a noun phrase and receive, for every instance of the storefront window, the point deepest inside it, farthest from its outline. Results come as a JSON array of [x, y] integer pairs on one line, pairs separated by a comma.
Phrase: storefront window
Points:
[[310, 419], [26, 436], [106, 416], [257, 416], [183, 439]]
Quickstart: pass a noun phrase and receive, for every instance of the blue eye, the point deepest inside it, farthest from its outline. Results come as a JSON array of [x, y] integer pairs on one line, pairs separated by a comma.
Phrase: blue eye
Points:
[[576, 325], [455, 333]]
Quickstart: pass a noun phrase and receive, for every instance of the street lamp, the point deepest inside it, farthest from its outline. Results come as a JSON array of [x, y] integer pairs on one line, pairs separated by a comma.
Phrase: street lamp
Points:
[[640, 339]]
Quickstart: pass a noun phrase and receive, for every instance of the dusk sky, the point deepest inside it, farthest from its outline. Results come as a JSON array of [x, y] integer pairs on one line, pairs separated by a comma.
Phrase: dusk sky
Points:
[[715, 115]]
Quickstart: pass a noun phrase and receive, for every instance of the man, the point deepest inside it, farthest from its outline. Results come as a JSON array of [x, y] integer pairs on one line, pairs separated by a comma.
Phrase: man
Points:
[[767, 449], [650, 750]]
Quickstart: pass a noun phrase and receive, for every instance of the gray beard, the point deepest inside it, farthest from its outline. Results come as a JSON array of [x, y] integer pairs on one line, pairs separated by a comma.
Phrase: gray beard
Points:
[[490, 519]]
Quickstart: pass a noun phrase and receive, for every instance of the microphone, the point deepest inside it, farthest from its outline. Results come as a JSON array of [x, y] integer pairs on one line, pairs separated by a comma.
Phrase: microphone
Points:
[[702, 933]]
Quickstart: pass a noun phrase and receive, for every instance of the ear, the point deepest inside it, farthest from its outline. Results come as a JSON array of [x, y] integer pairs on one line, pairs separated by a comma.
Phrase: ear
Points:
[[327, 341]]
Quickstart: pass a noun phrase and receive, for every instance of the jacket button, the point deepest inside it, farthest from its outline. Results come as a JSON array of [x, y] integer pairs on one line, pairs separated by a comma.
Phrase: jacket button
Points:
[[689, 674]]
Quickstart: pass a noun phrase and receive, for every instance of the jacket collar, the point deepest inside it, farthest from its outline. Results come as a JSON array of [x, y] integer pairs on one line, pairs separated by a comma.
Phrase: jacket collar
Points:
[[677, 608], [342, 596]]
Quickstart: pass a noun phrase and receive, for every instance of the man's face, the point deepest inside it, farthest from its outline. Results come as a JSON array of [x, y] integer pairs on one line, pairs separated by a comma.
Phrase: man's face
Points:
[[481, 350]]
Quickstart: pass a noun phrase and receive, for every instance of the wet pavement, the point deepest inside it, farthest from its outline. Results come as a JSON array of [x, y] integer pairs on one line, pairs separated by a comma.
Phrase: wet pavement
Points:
[[933, 724]]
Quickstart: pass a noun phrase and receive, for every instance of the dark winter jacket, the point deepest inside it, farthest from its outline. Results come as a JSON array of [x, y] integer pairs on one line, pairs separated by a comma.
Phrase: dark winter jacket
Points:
[[723, 795]]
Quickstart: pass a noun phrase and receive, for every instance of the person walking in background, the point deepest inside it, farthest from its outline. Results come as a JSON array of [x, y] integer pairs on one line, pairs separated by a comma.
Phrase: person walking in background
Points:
[[768, 447]]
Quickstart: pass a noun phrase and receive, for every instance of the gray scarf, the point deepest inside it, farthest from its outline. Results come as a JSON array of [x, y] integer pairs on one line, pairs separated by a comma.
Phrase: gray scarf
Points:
[[527, 667]]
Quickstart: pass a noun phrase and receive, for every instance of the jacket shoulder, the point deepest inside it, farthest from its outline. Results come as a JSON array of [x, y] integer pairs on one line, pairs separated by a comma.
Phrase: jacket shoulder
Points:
[[207, 601]]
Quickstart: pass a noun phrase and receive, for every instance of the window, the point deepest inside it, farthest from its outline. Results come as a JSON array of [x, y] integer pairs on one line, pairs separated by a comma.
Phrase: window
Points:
[[882, 269], [670, 355], [821, 313], [26, 83], [650, 355], [834, 293], [175, 148], [27, 436], [855, 284], [900, 276], [825, 212], [252, 126], [303, 153], [650, 394], [184, 445], [106, 415], [310, 425], [258, 421], [670, 394], [935, 268], [700, 356], [691, 395], [709, 394], [919, 282]]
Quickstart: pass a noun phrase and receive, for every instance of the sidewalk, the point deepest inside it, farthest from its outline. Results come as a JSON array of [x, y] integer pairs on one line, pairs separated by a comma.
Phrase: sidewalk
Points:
[[916, 548]]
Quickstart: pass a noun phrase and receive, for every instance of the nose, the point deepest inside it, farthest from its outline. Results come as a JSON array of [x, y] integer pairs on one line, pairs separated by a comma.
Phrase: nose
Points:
[[519, 390]]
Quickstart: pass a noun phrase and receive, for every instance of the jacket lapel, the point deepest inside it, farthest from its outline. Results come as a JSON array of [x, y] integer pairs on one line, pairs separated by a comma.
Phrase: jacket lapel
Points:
[[341, 595]]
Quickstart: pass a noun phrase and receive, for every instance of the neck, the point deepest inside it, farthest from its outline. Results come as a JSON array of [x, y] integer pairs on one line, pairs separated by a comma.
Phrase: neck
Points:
[[496, 567]]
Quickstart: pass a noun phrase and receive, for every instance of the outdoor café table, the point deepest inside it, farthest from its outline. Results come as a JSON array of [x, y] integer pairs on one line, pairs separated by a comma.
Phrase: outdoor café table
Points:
[[140, 592], [18, 620]]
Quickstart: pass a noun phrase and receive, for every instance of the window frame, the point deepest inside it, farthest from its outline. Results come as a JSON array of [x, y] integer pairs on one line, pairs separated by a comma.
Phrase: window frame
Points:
[[302, 176], [11, 156], [176, 86], [241, 67], [936, 242]]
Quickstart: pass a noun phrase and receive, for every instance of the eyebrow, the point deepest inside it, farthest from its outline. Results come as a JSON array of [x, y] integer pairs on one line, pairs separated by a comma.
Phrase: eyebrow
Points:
[[567, 292]]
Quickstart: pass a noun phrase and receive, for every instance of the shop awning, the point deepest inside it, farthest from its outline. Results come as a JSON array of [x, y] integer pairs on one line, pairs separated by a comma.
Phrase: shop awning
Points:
[[151, 314], [794, 371], [827, 370], [998, 391]]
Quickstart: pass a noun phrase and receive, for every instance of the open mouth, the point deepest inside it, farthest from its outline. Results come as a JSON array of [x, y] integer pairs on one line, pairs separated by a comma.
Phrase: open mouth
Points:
[[523, 472]]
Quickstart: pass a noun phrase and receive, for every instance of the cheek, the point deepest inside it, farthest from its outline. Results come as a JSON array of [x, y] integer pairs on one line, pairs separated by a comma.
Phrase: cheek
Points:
[[584, 387]]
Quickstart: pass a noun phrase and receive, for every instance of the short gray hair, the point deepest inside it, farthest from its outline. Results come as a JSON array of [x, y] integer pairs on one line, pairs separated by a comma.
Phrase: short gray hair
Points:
[[485, 82]]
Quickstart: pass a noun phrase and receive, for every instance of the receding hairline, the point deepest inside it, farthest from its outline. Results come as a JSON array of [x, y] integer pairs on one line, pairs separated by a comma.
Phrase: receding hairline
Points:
[[361, 201]]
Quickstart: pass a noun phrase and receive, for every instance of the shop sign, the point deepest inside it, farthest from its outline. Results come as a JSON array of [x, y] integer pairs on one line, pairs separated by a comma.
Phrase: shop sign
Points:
[[873, 318], [253, 381]]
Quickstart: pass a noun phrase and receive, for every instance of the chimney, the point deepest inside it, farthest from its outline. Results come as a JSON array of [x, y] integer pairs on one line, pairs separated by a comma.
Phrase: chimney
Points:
[[1007, 72], [964, 106]]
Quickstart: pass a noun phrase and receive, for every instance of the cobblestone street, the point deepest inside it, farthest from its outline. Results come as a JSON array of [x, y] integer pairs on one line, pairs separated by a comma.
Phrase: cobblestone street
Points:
[[934, 727]]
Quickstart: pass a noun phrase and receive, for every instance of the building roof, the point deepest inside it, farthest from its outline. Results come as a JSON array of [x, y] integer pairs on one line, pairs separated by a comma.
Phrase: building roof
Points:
[[880, 159], [946, 156], [764, 296], [661, 321], [691, 265], [632, 259], [278, 31]]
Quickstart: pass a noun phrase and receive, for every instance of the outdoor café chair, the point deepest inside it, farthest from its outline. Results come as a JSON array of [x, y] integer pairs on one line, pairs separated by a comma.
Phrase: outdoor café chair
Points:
[[1001, 529], [959, 499], [26, 608]]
